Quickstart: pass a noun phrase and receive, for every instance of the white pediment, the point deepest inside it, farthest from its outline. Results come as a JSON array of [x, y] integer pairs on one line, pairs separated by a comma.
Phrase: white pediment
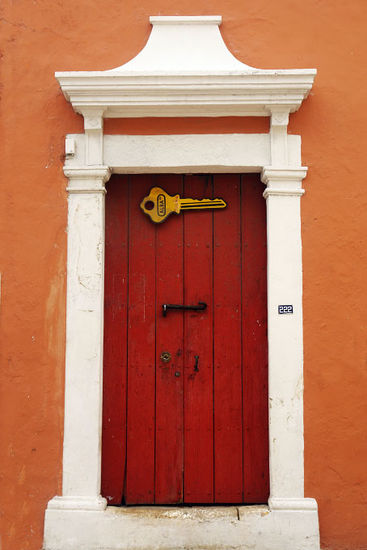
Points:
[[180, 45], [185, 69]]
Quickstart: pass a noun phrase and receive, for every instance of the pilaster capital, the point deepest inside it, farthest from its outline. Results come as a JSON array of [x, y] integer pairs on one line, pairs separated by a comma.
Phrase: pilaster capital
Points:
[[283, 181], [93, 119], [279, 116], [87, 179]]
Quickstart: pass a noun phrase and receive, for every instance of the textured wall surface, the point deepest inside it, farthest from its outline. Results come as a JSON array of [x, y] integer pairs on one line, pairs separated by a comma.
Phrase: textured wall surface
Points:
[[40, 37]]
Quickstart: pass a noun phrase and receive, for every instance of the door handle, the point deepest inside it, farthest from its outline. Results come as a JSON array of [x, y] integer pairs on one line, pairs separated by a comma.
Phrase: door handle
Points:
[[200, 307]]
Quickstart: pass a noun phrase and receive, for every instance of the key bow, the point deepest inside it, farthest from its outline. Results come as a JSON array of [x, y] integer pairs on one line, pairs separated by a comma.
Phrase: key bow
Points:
[[159, 205]]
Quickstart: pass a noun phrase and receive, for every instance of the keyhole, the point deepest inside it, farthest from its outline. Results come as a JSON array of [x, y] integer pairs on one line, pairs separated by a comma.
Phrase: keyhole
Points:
[[149, 205], [196, 366], [166, 356]]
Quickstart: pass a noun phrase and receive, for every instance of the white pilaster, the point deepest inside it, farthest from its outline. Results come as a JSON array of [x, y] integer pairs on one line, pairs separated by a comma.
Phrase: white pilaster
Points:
[[279, 118], [93, 127], [84, 340], [283, 192]]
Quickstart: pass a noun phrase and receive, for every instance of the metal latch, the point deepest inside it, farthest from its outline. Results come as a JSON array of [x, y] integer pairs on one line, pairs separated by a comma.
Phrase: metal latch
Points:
[[200, 307]]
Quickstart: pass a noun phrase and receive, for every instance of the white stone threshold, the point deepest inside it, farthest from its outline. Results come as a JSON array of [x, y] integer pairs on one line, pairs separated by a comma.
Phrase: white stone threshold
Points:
[[183, 528]]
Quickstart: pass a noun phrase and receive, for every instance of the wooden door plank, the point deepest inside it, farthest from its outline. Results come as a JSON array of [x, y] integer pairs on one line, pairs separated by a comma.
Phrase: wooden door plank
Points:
[[115, 341], [141, 350], [227, 343], [169, 376], [198, 389], [255, 350]]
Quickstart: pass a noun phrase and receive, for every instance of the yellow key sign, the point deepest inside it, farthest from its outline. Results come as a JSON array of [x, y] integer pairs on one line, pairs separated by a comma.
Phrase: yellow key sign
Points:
[[158, 205]]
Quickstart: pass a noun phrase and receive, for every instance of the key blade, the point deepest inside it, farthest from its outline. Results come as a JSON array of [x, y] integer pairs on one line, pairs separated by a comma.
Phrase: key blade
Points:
[[196, 204]]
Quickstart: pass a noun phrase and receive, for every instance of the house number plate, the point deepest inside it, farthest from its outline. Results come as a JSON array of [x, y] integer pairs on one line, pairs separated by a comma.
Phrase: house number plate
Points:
[[285, 309]]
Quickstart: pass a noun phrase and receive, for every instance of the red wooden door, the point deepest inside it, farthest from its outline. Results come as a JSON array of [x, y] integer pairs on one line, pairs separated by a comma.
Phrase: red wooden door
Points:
[[173, 433]]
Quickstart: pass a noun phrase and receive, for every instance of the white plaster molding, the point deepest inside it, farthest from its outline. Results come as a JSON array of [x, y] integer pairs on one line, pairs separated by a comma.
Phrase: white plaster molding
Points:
[[185, 20], [185, 69], [93, 122], [283, 192], [93, 127], [144, 528], [97, 503], [284, 174], [178, 153], [279, 116], [289, 504], [84, 340], [278, 135], [284, 181], [87, 179], [285, 336]]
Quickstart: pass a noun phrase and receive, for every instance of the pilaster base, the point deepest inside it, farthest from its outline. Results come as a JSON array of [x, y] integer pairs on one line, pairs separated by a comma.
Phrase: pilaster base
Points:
[[77, 503], [159, 528], [293, 504]]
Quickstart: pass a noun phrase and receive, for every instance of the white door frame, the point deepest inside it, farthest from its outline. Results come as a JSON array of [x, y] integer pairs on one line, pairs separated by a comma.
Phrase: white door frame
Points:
[[210, 84]]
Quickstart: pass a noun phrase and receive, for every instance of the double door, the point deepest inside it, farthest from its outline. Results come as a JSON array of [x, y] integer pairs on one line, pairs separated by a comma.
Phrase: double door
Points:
[[185, 393]]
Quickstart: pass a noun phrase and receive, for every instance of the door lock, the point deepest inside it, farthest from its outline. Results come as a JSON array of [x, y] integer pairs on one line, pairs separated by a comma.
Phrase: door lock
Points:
[[166, 356]]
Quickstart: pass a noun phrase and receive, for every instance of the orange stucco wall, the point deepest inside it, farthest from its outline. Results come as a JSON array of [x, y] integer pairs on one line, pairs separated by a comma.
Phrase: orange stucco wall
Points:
[[40, 37]]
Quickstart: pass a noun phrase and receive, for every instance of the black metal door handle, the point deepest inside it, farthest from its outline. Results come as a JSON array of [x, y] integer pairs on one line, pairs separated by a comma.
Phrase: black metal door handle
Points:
[[200, 307]]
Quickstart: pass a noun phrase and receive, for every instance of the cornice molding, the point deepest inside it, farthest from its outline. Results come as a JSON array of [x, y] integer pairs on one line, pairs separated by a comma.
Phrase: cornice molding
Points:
[[286, 174], [185, 19], [185, 69], [283, 181], [283, 192], [89, 179]]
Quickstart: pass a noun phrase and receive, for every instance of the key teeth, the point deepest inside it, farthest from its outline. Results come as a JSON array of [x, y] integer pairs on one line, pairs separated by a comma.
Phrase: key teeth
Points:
[[202, 204]]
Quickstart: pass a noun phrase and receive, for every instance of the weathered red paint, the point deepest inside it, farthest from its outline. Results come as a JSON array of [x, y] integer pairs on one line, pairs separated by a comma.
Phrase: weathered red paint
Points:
[[254, 353], [141, 351], [115, 348], [193, 436], [199, 420], [169, 332]]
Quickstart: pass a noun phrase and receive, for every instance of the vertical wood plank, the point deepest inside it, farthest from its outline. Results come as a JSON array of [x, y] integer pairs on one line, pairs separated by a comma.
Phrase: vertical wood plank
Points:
[[227, 343], [141, 350], [255, 350], [198, 403], [115, 341], [169, 376]]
